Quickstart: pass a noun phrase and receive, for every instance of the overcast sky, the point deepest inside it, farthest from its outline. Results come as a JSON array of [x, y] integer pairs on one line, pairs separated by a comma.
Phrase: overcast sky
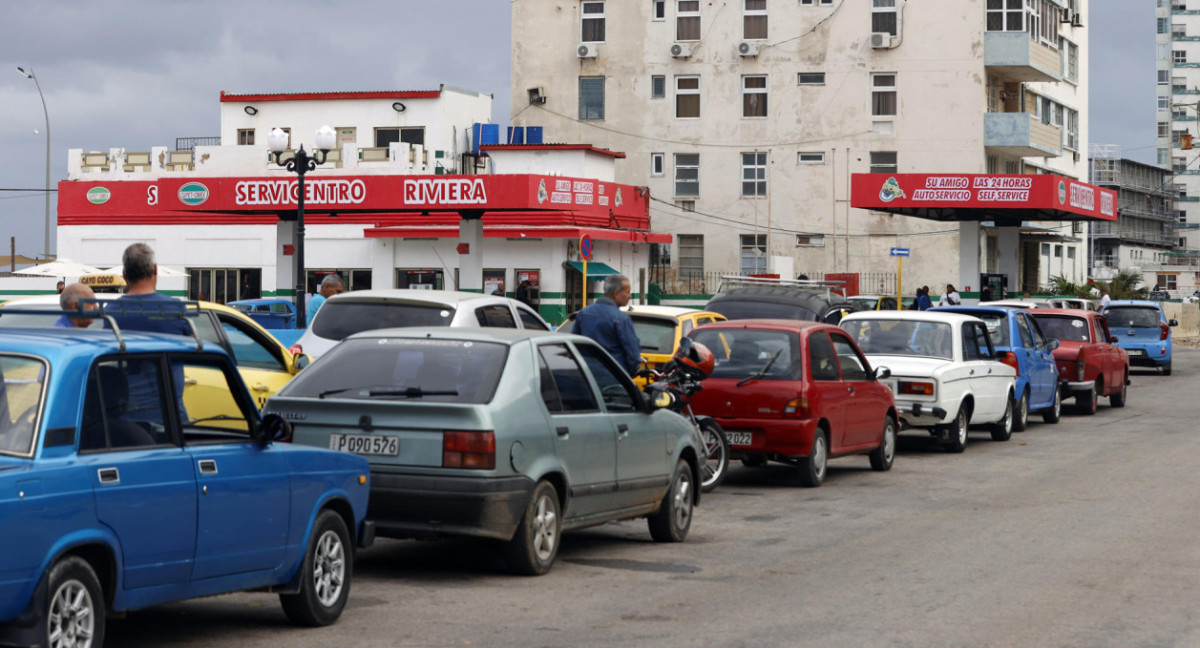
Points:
[[139, 73]]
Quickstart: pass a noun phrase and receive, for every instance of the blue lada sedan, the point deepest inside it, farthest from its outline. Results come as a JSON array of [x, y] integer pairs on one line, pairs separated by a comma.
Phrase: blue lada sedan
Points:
[[126, 482]]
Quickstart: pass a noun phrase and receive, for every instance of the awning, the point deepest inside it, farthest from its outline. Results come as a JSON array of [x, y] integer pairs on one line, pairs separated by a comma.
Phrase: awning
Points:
[[596, 269], [1005, 199], [518, 232]]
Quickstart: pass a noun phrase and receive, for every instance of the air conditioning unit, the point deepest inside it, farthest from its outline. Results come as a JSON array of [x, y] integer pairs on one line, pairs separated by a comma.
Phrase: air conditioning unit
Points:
[[882, 40], [748, 48], [1064, 15], [537, 95], [586, 50], [1076, 20], [681, 50]]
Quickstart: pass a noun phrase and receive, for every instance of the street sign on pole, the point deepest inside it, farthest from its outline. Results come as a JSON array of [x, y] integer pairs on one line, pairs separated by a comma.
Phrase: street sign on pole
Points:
[[899, 252], [585, 247]]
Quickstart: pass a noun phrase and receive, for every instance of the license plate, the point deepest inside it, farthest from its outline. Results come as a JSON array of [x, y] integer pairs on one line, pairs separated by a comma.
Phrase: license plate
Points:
[[1135, 352], [366, 444], [739, 438]]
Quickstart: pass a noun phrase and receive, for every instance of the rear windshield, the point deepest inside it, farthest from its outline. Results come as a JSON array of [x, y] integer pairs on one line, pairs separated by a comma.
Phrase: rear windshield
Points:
[[997, 327], [442, 371], [903, 337], [1132, 317], [338, 320], [744, 352], [1069, 329], [735, 309], [656, 334], [21, 390]]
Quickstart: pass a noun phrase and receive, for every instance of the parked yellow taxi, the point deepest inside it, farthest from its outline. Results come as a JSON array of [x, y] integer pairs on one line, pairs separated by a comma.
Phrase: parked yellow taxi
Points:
[[659, 329]]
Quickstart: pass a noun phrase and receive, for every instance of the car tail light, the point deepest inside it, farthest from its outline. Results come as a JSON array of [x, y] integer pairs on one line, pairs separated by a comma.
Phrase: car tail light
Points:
[[476, 450], [797, 408], [1165, 331], [1009, 358], [1080, 364], [296, 349], [910, 388]]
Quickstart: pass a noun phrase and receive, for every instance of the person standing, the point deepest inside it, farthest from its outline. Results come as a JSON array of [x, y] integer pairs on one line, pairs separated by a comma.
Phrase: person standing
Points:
[[604, 322], [950, 297], [141, 286], [60, 287], [1104, 298], [68, 298], [523, 292], [923, 300], [985, 295], [331, 285]]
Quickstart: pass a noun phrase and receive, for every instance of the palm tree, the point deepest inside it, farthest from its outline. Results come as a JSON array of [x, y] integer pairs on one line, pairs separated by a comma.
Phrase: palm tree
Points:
[[1125, 286], [1060, 285]]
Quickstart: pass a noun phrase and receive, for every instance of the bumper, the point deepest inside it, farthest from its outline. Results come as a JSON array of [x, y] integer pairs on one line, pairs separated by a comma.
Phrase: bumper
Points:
[[920, 414], [1080, 386], [787, 437], [430, 506]]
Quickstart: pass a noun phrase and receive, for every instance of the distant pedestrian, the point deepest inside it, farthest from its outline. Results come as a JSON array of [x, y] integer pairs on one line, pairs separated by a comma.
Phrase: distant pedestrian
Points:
[[985, 295], [1104, 298], [923, 300], [950, 297], [61, 286], [331, 285], [523, 292], [69, 298]]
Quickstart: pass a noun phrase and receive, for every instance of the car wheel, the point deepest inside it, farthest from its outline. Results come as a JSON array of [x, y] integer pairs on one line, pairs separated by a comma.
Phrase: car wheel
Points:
[[74, 614], [534, 547], [1020, 414], [716, 449], [1118, 399], [754, 461], [1166, 369], [958, 432], [325, 575], [1087, 402], [674, 516], [1002, 430], [814, 466], [1053, 414], [883, 456]]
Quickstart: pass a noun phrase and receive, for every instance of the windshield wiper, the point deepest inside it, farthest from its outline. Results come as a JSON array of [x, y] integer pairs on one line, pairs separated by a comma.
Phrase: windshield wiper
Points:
[[761, 372], [218, 417], [407, 392]]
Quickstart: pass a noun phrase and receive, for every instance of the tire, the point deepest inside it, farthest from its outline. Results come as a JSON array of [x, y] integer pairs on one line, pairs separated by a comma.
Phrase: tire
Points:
[[1087, 402], [1118, 399], [1053, 414], [1002, 430], [674, 516], [754, 461], [716, 464], [1166, 369], [534, 547], [958, 432], [325, 574], [74, 613], [1020, 414], [883, 456], [816, 464]]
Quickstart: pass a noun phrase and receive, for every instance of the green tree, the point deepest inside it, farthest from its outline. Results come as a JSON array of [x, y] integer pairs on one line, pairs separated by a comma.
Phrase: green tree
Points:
[[1125, 286], [1060, 285]]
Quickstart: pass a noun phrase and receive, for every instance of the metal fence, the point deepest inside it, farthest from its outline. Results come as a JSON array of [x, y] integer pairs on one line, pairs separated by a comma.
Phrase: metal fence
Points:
[[190, 143], [707, 283]]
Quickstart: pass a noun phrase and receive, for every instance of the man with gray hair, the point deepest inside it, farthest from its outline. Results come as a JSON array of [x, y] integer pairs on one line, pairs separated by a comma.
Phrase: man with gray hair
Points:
[[604, 322], [141, 285], [331, 285], [69, 298]]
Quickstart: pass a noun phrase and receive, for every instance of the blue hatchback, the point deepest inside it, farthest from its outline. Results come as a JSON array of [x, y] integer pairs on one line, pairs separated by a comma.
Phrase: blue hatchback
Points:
[[1143, 330], [268, 312], [126, 482], [1013, 330]]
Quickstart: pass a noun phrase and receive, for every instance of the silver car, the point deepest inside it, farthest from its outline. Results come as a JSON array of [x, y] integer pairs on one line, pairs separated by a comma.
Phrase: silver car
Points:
[[363, 310], [497, 433]]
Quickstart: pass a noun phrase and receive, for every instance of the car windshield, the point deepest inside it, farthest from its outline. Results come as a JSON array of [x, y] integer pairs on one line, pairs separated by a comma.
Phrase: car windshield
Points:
[[340, 319], [1067, 329], [997, 327], [443, 371], [656, 334], [745, 352], [1132, 317], [735, 309], [902, 337], [21, 382]]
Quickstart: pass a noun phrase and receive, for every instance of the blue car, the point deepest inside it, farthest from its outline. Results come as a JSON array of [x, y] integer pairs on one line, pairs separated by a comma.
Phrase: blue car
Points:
[[1013, 330], [125, 482], [270, 313], [1143, 330]]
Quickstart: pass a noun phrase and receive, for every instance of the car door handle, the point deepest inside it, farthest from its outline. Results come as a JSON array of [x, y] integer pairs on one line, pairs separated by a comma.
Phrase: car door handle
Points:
[[563, 430], [189, 382], [261, 387], [851, 388], [109, 476], [622, 428], [207, 467]]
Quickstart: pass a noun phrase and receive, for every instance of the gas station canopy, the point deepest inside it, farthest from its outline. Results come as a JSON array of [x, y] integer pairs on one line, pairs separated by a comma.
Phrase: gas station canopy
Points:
[[1004, 199]]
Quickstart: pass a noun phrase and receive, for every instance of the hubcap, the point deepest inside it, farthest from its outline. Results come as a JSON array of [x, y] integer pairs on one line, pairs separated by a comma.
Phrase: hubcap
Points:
[[71, 619], [962, 427], [1008, 419], [715, 456], [329, 568], [545, 528], [1023, 409], [683, 500], [819, 457], [889, 441]]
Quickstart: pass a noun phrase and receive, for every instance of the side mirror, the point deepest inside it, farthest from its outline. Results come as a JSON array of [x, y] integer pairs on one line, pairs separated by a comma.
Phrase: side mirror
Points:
[[301, 360], [1051, 344], [882, 373], [1173, 323], [272, 428]]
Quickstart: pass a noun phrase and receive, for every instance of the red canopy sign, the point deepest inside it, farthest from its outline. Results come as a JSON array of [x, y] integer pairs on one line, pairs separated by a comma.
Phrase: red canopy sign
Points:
[[982, 197]]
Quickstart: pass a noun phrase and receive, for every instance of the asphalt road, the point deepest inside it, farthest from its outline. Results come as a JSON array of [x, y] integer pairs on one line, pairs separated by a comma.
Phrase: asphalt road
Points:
[[1076, 534]]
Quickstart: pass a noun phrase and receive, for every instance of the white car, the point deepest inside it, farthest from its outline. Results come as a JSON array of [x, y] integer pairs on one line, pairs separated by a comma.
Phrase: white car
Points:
[[945, 374], [367, 310]]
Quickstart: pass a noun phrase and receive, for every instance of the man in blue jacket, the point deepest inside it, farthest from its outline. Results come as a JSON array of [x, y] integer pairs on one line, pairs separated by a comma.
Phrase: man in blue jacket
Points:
[[604, 322]]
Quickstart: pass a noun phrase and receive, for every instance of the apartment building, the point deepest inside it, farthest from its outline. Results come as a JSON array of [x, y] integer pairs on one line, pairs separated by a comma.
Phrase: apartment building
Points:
[[1178, 69], [746, 119]]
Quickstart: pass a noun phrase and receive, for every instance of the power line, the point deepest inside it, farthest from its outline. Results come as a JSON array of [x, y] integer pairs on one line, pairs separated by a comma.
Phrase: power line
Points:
[[37, 190]]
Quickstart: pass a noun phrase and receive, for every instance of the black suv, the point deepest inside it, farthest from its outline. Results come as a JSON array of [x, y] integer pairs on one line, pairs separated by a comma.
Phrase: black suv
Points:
[[779, 300]]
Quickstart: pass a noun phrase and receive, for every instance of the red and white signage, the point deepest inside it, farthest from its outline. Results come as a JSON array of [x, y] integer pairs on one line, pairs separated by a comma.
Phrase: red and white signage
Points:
[[966, 196]]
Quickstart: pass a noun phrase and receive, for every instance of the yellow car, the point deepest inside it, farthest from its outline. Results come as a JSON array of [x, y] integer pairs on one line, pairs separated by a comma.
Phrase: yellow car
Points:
[[264, 363], [659, 329]]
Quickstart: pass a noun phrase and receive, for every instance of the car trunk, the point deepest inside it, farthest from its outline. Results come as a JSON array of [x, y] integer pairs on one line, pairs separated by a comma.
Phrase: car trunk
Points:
[[764, 399]]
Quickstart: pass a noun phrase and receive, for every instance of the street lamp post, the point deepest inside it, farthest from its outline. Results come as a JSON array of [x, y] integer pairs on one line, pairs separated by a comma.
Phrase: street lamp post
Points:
[[301, 164], [28, 74]]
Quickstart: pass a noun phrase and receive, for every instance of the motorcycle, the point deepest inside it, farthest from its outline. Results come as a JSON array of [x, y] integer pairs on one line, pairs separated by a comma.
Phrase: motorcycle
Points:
[[678, 380]]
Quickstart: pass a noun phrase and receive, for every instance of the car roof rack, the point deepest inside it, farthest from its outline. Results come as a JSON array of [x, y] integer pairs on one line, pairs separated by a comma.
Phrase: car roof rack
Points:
[[813, 285], [107, 309]]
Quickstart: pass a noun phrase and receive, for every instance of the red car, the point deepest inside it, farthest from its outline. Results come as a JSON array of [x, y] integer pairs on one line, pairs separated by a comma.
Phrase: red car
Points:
[[795, 392], [1090, 364]]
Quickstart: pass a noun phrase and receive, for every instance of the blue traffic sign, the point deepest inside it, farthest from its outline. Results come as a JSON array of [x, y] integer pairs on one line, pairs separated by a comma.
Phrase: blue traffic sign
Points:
[[900, 252], [585, 247]]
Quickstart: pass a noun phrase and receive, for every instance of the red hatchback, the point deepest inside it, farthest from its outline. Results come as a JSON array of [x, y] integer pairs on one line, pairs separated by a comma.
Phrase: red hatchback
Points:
[[795, 392]]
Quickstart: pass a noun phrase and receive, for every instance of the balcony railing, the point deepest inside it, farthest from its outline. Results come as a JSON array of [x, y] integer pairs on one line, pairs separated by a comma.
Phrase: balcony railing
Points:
[[1013, 56], [1021, 134], [190, 143]]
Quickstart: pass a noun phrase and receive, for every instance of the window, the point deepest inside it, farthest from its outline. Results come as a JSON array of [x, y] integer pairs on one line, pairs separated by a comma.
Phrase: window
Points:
[[1072, 129], [245, 137], [496, 316], [686, 205], [1178, 56], [754, 96], [1164, 77], [1005, 15], [810, 78], [1178, 30], [248, 346], [687, 20], [657, 164], [1178, 84], [810, 240], [822, 358], [1164, 157], [411, 136], [1168, 282], [1164, 51], [1163, 25], [754, 19], [571, 392], [687, 174], [658, 10], [993, 164], [125, 400], [591, 97], [687, 97], [1072, 66], [617, 391], [1164, 103], [691, 256], [754, 174], [810, 158], [809, 3], [854, 366], [531, 321], [883, 162], [658, 86], [1181, 215], [1164, 129], [1047, 15], [1176, 136], [884, 17], [592, 27], [754, 253], [883, 95]]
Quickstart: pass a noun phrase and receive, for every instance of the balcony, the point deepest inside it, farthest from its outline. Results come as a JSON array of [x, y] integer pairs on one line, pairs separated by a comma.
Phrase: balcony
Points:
[[1021, 134], [1013, 56]]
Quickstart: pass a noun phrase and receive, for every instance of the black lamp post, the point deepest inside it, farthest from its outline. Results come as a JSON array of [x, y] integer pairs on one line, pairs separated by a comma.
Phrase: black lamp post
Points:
[[301, 163]]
